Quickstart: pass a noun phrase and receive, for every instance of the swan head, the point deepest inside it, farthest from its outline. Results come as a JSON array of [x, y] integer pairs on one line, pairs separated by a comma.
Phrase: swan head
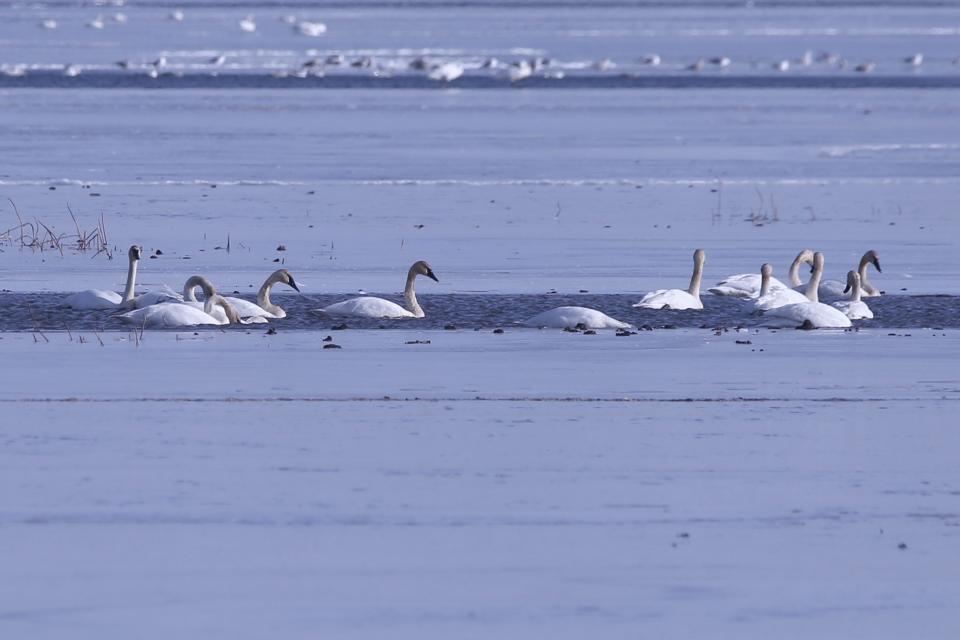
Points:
[[699, 256], [134, 252], [871, 257], [805, 256], [766, 270], [285, 277], [421, 268], [853, 281]]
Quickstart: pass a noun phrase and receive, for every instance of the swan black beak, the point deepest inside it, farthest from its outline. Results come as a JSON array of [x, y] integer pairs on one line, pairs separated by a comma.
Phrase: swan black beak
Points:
[[847, 290], [876, 263], [432, 276], [294, 285]]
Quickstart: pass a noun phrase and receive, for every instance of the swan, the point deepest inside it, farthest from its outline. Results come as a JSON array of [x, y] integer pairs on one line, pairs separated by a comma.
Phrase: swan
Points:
[[833, 289], [263, 308], [678, 298], [770, 298], [96, 299], [854, 308], [369, 307], [747, 285], [811, 313], [574, 317], [181, 314]]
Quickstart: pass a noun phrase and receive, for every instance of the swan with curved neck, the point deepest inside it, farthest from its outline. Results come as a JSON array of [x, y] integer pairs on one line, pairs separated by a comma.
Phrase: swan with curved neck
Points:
[[747, 285], [678, 298], [771, 298], [97, 299], [835, 289], [854, 308], [264, 307], [370, 307], [810, 314]]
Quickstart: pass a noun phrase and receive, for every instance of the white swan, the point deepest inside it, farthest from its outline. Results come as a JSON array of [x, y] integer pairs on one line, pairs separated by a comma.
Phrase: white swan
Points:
[[810, 314], [747, 285], [182, 314], [854, 308], [678, 298], [264, 307], [770, 298], [834, 289], [369, 307], [96, 299], [574, 317]]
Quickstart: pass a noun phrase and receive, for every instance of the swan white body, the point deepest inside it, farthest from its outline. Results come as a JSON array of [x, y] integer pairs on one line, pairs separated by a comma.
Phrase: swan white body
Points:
[[370, 307], [747, 285], [812, 312], [854, 308], [770, 298], [95, 299], [571, 317], [678, 298]]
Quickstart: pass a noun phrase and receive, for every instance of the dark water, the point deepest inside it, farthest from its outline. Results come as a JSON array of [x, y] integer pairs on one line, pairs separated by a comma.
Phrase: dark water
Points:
[[118, 80], [29, 311]]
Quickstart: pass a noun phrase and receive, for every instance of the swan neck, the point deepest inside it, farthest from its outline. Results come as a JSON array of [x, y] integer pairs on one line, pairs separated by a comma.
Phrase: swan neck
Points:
[[198, 281], [855, 290], [795, 280], [813, 286], [865, 284], [410, 296], [131, 281], [263, 296], [764, 284], [695, 279]]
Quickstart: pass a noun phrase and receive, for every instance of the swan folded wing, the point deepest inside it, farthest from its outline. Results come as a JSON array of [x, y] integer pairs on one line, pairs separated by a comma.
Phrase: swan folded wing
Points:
[[779, 298], [93, 299], [169, 314], [669, 299], [367, 307], [744, 285], [819, 315], [572, 317], [854, 309], [246, 309]]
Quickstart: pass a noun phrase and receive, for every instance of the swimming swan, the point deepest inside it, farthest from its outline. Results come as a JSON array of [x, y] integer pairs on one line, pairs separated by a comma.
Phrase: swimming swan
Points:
[[770, 298], [96, 299], [264, 308], [574, 317], [854, 308], [747, 285], [678, 298], [831, 289], [369, 307], [811, 313], [183, 314]]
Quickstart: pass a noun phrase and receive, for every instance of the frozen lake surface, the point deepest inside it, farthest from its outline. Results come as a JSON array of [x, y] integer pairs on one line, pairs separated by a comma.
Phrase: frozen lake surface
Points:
[[429, 483]]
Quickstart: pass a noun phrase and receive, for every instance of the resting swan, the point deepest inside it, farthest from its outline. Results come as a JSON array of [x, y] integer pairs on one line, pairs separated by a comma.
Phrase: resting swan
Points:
[[678, 298], [96, 299], [812, 312], [572, 317], [747, 285], [770, 298], [182, 314], [262, 310], [370, 307], [854, 308], [831, 289]]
